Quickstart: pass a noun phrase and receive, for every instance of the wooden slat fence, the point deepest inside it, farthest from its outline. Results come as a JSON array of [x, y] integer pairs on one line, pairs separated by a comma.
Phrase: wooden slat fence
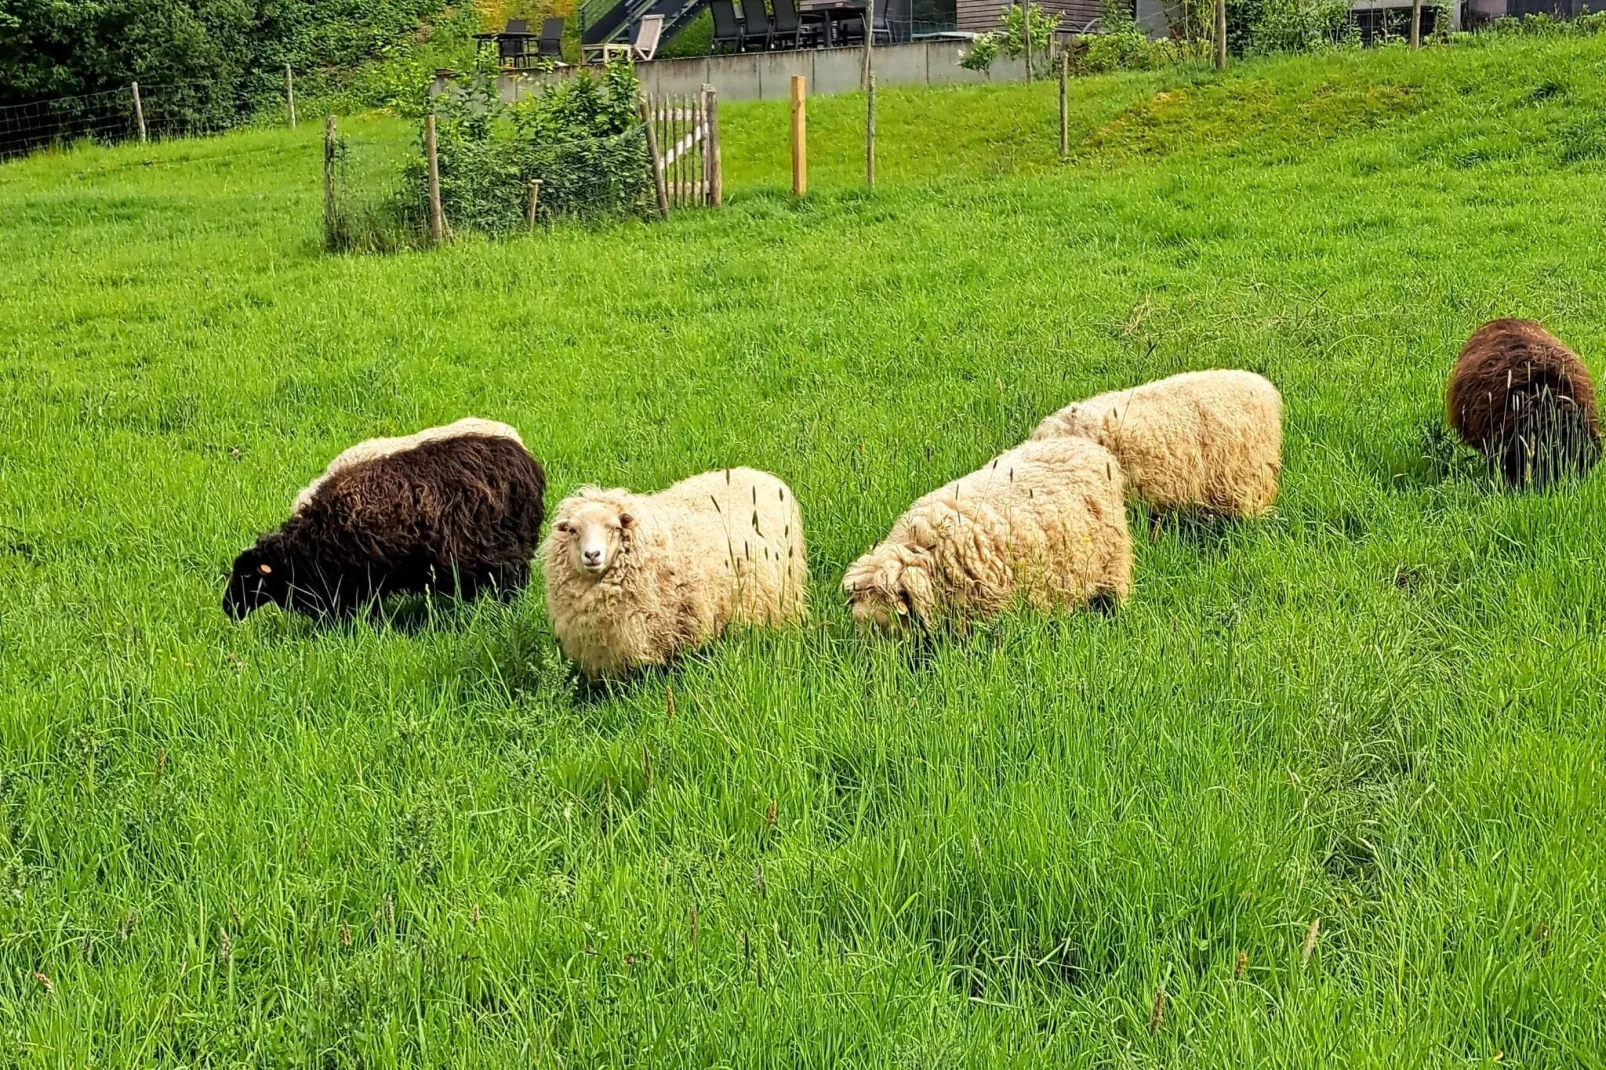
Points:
[[685, 131]]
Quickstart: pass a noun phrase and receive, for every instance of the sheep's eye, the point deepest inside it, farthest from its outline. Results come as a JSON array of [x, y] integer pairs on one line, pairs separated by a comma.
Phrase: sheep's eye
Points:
[[565, 528], [265, 568]]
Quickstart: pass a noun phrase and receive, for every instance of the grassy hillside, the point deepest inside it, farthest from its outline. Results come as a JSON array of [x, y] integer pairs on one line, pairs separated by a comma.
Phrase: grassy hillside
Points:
[[416, 841]]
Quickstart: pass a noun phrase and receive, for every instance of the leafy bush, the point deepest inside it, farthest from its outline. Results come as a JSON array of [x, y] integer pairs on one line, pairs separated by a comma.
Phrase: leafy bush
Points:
[[580, 138], [983, 51], [235, 49], [1009, 40], [1586, 25], [1123, 46], [1301, 26]]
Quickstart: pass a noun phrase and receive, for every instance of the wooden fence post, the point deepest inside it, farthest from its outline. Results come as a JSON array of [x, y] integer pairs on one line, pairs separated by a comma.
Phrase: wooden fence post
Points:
[[139, 110], [645, 111], [1065, 121], [716, 185], [800, 150], [1221, 35], [329, 182], [1416, 23], [437, 217], [290, 95], [869, 133], [682, 157], [1026, 35], [869, 43], [535, 196]]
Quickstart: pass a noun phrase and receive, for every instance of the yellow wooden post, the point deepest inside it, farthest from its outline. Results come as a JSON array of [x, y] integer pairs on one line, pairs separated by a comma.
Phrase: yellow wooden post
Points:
[[800, 151]]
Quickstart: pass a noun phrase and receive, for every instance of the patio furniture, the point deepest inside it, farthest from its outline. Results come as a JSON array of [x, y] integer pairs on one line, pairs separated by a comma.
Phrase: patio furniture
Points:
[[787, 26], [551, 42], [835, 16], [513, 43], [643, 43], [852, 29], [756, 33], [881, 27], [727, 30]]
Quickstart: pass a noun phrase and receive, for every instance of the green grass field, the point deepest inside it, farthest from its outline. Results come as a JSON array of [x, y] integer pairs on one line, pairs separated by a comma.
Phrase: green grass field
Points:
[[415, 840]]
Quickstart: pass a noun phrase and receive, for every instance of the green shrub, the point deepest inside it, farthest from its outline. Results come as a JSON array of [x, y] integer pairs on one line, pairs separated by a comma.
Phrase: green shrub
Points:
[[580, 138], [696, 38], [1301, 26], [983, 51], [1009, 40], [1123, 46], [231, 53]]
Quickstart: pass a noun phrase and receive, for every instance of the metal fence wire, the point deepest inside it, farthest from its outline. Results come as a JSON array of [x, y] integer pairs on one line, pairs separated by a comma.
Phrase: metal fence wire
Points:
[[132, 113], [486, 184], [379, 199]]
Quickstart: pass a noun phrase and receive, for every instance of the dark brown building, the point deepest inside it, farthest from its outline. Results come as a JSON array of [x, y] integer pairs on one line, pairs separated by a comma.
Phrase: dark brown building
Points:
[[979, 16]]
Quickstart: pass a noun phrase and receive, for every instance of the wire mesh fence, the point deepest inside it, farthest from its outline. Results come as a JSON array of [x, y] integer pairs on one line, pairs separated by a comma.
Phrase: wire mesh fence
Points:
[[132, 113], [486, 184], [377, 200], [379, 189]]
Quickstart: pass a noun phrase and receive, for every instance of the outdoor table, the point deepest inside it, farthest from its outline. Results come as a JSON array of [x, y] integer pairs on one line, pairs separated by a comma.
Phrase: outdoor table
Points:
[[833, 12], [524, 38]]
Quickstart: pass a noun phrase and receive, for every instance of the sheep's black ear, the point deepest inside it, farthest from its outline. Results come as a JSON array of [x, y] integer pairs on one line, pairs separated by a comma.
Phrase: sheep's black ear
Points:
[[626, 519]]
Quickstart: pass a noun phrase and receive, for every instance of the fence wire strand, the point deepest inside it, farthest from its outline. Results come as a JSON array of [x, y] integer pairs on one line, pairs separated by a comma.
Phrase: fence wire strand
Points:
[[171, 110], [380, 198]]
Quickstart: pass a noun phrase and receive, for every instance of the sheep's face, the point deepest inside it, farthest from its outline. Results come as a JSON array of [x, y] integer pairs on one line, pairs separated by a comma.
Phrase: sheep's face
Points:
[[260, 575], [887, 592], [594, 531]]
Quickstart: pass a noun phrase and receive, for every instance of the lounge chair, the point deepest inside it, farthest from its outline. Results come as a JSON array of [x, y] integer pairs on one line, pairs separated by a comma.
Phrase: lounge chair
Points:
[[727, 30], [512, 44], [883, 28], [787, 26], [756, 33], [551, 39], [643, 43]]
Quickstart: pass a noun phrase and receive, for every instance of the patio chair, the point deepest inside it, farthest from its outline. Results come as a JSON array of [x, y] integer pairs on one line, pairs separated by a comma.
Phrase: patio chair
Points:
[[551, 45], [787, 25], [643, 43], [881, 27], [727, 30], [756, 32], [512, 44]]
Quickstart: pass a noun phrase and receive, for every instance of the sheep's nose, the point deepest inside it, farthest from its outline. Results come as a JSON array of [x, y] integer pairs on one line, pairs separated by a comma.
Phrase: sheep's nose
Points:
[[592, 556]]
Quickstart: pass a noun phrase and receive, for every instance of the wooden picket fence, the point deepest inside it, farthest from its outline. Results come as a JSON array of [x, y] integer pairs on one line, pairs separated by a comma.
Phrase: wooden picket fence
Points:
[[683, 139]]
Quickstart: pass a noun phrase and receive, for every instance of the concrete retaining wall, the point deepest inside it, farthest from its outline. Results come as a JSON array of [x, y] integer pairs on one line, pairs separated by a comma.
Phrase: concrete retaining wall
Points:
[[768, 75]]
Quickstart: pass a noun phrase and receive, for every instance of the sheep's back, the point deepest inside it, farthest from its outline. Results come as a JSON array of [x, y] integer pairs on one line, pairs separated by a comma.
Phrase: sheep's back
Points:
[[1506, 357], [451, 501], [740, 530], [1043, 521]]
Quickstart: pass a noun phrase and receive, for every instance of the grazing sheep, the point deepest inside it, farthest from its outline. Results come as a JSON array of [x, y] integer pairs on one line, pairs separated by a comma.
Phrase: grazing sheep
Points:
[[1212, 439], [450, 509], [633, 579], [1525, 400], [1044, 524]]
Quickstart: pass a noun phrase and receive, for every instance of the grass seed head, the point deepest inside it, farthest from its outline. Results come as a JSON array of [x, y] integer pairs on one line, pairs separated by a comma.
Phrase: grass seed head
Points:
[[1310, 940], [1157, 1012]]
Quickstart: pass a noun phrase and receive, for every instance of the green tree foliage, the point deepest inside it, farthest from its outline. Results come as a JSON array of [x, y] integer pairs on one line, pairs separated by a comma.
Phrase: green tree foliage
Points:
[[53, 48]]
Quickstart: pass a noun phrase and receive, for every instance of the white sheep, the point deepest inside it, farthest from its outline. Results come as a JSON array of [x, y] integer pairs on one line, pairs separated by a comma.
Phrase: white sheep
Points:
[[1212, 439], [633, 579], [1044, 524]]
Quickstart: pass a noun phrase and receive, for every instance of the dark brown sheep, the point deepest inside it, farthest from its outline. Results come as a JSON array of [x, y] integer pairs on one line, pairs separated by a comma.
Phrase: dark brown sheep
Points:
[[1525, 400], [451, 510]]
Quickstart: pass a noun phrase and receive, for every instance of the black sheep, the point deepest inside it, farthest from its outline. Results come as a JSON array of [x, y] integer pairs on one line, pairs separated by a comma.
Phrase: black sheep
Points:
[[452, 510], [1525, 400]]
